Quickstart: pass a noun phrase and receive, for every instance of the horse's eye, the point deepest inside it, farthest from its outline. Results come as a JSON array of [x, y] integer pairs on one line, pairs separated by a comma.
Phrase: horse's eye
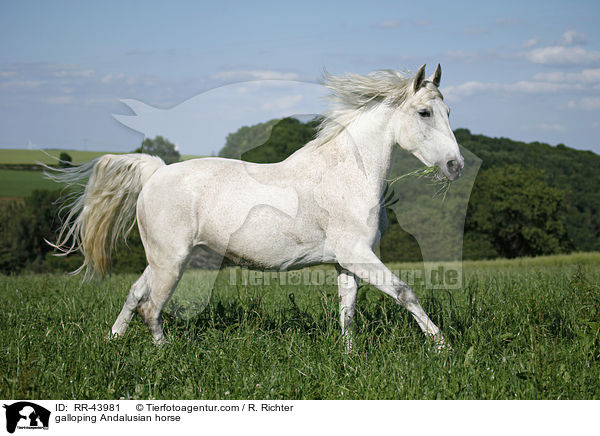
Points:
[[425, 113]]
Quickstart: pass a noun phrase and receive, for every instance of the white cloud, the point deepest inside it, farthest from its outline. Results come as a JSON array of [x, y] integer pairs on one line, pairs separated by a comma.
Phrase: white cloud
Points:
[[555, 76], [73, 73], [553, 127], [242, 75], [109, 78], [573, 37], [389, 24], [587, 103], [22, 84], [531, 42], [469, 89], [99, 100], [588, 76], [63, 99], [560, 55], [4, 74], [531, 87], [285, 102]]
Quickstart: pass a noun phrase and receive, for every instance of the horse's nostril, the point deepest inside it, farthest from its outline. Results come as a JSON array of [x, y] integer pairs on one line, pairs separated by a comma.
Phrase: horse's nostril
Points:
[[453, 166]]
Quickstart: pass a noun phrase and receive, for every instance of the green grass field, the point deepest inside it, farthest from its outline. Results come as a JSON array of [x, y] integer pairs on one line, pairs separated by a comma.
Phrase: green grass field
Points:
[[522, 329], [20, 183], [50, 156]]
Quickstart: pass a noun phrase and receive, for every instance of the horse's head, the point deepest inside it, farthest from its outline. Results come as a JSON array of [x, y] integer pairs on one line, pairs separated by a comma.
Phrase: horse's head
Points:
[[421, 126]]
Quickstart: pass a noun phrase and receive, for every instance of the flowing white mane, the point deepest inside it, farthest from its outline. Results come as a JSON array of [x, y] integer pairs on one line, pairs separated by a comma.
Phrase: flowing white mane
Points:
[[353, 92]]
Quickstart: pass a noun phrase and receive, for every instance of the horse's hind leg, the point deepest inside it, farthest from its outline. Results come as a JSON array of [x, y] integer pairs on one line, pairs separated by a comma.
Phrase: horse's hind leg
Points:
[[164, 281], [138, 290], [168, 242]]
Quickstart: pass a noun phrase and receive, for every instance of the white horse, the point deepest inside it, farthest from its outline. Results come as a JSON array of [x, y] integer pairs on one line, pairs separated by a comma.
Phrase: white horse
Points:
[[320, 205]]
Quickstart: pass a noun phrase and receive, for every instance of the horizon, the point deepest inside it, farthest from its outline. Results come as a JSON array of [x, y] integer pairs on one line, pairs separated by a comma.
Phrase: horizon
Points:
[[216, 155], [525, 71]]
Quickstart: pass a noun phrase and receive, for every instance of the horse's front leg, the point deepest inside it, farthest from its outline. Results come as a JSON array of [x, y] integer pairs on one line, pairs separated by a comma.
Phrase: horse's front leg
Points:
[[347, 291], [362, 262]]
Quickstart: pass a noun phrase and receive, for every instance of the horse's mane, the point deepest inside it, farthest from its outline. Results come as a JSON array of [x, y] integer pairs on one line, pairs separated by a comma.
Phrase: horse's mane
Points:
[[352, 92]]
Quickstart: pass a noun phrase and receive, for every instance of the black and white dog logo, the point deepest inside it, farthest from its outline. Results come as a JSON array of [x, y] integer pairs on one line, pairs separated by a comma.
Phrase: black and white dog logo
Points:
[[26, 415]]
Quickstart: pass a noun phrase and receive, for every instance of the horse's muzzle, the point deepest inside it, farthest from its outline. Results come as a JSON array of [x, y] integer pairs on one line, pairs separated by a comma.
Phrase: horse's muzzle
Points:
[[454, 168]]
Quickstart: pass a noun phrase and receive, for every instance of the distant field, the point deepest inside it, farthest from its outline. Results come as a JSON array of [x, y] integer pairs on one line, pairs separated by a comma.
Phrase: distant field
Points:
[[20, 156], [20, 183], [16, 183], [23, 156]]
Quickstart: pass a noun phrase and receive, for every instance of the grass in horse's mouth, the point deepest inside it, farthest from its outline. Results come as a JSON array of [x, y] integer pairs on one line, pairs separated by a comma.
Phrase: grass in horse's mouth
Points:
[[434, 175]]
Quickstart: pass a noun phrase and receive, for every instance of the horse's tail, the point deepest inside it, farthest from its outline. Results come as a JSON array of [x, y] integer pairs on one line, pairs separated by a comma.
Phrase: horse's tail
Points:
[[105, 210]]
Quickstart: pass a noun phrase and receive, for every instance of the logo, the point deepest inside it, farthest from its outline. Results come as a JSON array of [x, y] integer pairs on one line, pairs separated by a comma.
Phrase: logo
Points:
[[26, 415]]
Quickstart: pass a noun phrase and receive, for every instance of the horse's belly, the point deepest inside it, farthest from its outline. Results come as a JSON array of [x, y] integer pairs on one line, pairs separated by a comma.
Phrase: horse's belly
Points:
[[271, 239], [270, 258]]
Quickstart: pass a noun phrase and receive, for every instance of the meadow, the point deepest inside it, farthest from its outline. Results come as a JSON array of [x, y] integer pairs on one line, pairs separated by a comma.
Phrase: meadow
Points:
[[17, 182], [21, 183], [519, 329], [49, 156], [16, 156]]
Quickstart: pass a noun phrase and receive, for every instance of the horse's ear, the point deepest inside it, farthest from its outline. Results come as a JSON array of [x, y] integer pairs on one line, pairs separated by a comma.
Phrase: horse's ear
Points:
[[419, 78], [437, 76]]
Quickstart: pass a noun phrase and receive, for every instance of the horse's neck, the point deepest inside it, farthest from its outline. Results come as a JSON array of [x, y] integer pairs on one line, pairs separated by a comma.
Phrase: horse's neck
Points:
[[369, 139]]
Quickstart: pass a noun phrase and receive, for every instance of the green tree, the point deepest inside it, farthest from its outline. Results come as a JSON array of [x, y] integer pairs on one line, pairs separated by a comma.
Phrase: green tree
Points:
[[65, 160], [160, 147], [287, 136], [246, 138], [269, 142], [27, 224], [517, 213], [24, 227]]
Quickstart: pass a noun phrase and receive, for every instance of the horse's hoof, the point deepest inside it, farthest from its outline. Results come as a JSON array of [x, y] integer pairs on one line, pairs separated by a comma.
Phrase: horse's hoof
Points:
[[113, 336], [441, 344], [160, 341]]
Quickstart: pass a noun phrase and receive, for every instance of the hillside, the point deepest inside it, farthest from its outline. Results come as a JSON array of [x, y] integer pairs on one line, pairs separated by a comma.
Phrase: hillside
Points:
[[573, 171]]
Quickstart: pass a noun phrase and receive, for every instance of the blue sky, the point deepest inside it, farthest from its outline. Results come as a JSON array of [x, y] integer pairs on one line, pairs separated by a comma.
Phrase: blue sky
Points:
[[525, 70]]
